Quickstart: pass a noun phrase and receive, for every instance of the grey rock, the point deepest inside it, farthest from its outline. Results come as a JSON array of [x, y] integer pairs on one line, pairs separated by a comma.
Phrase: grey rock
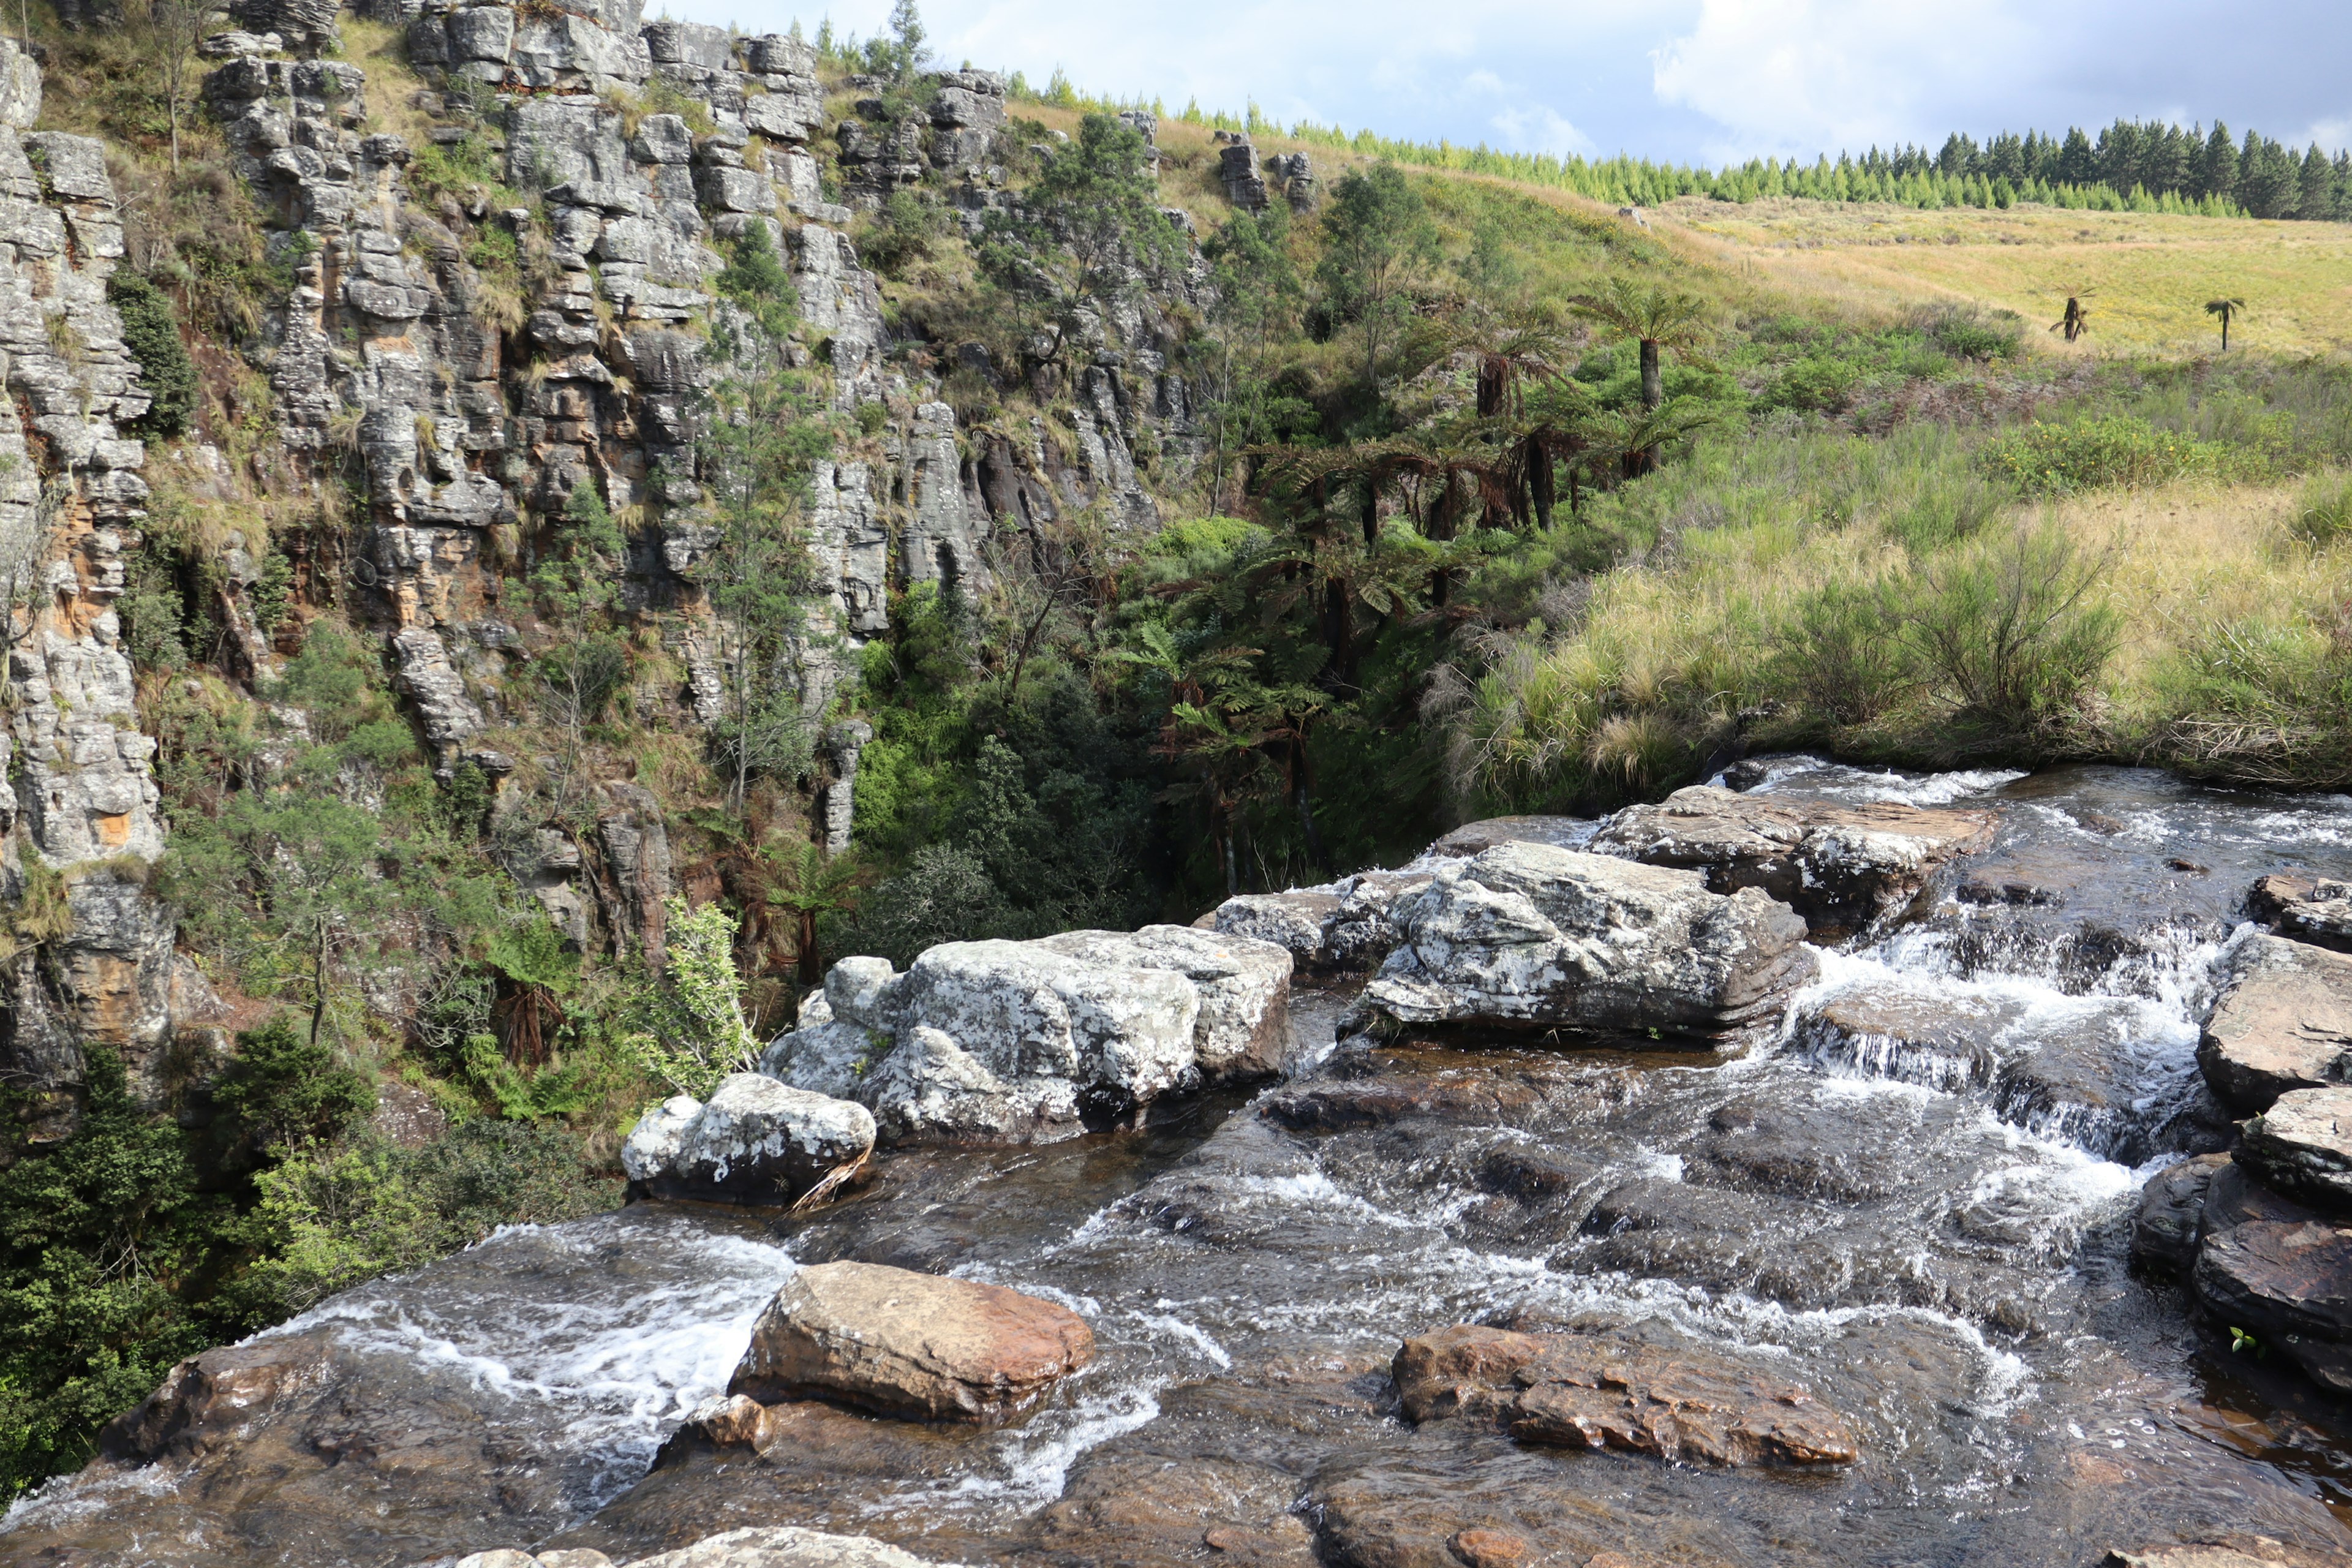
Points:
[[20, 86], [1001, 1041], [2282, 1021], [690, 43], [2290, 1285], [756, 1140], [1344, 927], [2302, 1147], [1532, 936], [637, 851], [1840, 865], [450, 716]]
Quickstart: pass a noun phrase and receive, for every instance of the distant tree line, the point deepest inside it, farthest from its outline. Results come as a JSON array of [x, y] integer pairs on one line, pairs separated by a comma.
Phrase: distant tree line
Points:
[[2130, 166]]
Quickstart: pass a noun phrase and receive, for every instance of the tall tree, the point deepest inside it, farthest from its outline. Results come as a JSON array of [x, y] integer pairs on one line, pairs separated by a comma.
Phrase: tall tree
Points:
[[2216, 175], [1655, 318], [1377, 236], [2227, 309], [1259, 293], [173, 28]]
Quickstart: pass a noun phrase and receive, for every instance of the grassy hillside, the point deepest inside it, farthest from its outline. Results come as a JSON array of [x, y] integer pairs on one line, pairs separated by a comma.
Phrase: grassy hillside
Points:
[[2147, 275]]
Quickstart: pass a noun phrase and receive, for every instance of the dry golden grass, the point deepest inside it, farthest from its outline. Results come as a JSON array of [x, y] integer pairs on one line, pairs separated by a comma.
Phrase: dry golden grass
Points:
[[2147, 275]]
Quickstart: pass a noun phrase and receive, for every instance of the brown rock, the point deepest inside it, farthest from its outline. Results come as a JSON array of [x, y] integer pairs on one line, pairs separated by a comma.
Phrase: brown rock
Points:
[[2254, 1551], [1840, 865], [1578, 1391], [2284, 1022], [204, 1400], [1481, 1548], [912, 1346]]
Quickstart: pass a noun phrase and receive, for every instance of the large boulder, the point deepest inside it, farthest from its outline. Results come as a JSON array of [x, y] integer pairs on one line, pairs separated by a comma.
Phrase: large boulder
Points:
[[2302, 1147], [2283, 1022], [1528, 935], [1576, 1391], [1840, 864], [918, 1346], [756, 1142], [1005, 1041]]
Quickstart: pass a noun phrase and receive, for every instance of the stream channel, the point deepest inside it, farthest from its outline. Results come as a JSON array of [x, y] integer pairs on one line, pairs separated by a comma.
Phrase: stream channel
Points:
[[1926, 1227]]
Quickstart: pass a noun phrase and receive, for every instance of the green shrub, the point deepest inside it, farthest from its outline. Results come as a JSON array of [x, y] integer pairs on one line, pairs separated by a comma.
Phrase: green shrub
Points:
[[1841, 654], [2112, 451], [151, 331], [1818, 383], [1963, 335], [2012, 628]]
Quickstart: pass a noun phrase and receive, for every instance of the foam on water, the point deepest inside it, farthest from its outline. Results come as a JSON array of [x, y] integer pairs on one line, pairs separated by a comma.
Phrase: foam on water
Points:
[[608, 1366]]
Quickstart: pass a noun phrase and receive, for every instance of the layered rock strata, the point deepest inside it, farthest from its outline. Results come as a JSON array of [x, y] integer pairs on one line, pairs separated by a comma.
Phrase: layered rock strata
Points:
[[1573, 1392], [1528, 936], [996, 1041]]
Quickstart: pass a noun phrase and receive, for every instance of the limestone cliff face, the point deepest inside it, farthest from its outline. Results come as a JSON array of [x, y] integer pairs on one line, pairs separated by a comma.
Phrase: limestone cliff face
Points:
[[468, 412], [80, 803]]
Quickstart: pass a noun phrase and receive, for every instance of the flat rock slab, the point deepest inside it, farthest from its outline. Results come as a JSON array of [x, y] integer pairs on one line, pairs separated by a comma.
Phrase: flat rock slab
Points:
[[2283, 1022], [2309, 908], [1839, 864], [917, 1346], [1574, 1391], [785, 1546], [1477, 838], [2302, 1147], [756, 1142], [2288, 1284], [1527, 935]]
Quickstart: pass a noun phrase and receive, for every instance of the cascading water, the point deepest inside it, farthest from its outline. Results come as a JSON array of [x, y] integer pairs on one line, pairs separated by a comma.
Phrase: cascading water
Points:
[[1911, 1201]]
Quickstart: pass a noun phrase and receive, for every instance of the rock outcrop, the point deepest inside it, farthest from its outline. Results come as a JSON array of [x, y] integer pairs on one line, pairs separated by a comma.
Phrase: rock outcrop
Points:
[[996, 1041], [1842, 866], [2282, 1022], [1528, 936], [1576, 1391], [917, 1346], [755, 1142]]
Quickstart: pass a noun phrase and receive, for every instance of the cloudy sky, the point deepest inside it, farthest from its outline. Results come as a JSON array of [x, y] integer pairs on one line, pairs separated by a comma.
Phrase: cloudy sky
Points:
[[1705, 81]]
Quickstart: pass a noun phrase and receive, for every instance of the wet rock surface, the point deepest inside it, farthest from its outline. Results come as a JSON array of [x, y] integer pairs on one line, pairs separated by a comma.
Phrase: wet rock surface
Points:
[[911, 1345], [1840, 865], [2309, 908], [1947, 1279]]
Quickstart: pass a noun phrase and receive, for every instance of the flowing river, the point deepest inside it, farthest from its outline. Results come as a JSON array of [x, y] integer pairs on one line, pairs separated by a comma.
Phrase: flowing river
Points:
[[1915, 1200]]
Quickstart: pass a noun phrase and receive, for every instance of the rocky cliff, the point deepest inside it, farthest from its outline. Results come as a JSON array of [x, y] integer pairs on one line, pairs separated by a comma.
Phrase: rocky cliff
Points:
[[497, 270]]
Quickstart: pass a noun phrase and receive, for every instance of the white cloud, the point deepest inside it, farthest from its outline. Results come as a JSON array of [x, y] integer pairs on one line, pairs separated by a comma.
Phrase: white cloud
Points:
[[1809, 76], [1540, 129]]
